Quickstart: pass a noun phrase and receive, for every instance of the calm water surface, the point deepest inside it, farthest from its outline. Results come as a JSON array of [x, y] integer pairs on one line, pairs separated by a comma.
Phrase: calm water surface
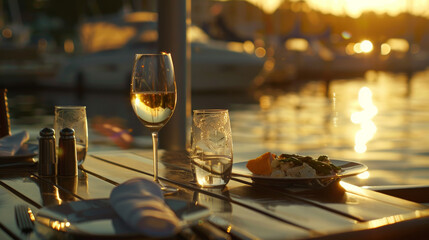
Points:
[[380, 120]]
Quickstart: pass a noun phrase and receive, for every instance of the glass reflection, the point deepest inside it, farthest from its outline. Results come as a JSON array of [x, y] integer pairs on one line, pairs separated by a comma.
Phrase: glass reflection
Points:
[[218, 207], [67, 188], [59, 225], [82, 186], [49, 192]]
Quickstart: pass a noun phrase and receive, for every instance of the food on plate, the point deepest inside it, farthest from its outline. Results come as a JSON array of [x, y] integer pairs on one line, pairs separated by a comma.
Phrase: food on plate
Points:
[[262, 164], [291, 165]]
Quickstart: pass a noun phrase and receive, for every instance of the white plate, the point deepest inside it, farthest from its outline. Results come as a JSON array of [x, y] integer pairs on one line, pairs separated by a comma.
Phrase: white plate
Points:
[[348, 168], [25, 154]]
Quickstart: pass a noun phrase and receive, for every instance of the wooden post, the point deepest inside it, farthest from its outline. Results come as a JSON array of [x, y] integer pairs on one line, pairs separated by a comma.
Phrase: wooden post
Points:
[[173, 16]]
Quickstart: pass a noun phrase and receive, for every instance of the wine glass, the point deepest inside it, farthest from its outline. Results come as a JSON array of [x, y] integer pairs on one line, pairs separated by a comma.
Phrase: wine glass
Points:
[[153, 97]]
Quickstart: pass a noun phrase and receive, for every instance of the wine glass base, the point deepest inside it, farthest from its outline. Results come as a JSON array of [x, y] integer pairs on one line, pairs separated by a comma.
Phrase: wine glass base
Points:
[[167, 190]]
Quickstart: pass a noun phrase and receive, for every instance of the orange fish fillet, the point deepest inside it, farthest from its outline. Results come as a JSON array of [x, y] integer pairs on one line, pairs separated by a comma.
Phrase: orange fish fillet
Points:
[[261, 165]]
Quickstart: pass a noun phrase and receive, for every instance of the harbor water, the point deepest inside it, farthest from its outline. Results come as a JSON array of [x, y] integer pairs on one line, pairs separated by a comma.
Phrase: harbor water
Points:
[[380, 120]]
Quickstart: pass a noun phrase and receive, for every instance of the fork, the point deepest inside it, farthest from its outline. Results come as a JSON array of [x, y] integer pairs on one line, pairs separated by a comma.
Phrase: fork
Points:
[[24, 218]]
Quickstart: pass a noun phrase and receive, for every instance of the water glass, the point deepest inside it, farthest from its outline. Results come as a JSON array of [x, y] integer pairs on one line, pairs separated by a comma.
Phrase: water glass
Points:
[[73, 117], [211, 147]]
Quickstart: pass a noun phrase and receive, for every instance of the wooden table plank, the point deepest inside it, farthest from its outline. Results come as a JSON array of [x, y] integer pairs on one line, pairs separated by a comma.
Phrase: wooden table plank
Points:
[[4, 235], [44, 192], [279, 205], [264, 212], [285, 208], [85, 186], [26, 187], [8, 201], [360, 205], [382, 197], [103, 169], [356, 206], [236, 215]]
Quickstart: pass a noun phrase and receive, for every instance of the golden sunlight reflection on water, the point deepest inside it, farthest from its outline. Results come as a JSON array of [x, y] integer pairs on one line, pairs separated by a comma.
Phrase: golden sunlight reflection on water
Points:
[[364, 118], [379, 120]]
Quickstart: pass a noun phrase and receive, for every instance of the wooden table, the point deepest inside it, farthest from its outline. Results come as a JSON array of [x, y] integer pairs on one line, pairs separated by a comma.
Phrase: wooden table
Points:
[[242, 209]]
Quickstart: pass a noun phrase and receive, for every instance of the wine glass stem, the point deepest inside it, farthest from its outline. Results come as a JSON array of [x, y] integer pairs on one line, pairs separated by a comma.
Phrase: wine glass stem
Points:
[[155, 156]]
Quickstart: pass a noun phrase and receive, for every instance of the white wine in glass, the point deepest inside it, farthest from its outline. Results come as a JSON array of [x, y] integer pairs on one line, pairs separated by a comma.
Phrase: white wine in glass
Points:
[[153, 97], [154, 109]]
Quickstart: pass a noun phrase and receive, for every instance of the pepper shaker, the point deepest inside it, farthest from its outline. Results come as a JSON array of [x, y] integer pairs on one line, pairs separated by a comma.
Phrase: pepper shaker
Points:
[[67, 161], [47, 157]]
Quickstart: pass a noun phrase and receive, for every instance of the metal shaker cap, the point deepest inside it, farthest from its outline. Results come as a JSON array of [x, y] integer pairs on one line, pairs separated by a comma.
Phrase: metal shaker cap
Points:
[[47, 132], [67, 133]]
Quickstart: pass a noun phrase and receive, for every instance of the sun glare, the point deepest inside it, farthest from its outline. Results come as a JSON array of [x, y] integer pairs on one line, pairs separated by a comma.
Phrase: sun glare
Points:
[[364, 175], [354, 8], [269, 6]]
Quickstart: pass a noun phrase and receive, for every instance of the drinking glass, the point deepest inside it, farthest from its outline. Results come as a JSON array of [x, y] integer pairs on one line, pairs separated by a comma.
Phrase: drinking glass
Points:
[[211, 147], [73, 117], [153, 97]]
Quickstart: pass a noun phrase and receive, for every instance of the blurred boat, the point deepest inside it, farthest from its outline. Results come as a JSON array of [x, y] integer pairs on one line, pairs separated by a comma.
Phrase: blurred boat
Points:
[[300, 58], [23, 61], [109, 46]]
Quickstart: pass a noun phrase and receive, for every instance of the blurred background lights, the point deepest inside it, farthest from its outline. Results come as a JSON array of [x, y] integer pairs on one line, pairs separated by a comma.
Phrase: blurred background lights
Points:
[[346, 35], [68, 46], [260, 52], [235, 46], [366, 46], [357, 48], [296, 44], [350, 49], [385, 49], [6, 33], [269, 64], [249, 47], [398, 44]]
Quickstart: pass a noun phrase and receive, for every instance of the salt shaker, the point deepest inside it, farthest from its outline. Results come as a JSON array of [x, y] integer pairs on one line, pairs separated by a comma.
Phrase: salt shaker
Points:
[[67, 161], [47, 157]]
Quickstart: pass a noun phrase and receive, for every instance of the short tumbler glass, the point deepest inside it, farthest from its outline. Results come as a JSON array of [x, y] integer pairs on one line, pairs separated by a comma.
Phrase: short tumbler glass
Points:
[[211, 147], [73, 117]]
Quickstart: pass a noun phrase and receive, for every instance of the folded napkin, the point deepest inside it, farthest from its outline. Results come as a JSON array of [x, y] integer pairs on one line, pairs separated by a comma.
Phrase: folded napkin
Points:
[[9, 145], [140, 204]]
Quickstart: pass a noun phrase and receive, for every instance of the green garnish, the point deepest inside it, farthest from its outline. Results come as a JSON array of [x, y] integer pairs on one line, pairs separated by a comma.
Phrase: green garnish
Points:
[[322, 164], [294, 160]]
